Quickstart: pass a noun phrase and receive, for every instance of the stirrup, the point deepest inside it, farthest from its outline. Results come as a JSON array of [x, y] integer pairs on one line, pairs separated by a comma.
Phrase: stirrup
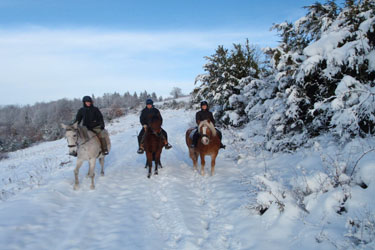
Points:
[[140, 151], [105, 152], [222, 146], [168, 146]]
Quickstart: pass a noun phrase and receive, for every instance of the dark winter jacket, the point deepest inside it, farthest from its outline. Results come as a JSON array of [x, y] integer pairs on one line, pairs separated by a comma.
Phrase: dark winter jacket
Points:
[[204, 115], [91, 117], [147, 114]]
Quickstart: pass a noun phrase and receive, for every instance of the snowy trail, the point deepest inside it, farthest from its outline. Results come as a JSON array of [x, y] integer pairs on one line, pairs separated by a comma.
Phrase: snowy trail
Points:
[[178, 209]]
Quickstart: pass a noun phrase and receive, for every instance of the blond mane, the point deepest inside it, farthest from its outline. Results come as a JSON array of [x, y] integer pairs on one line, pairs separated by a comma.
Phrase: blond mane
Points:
[[209, 124]]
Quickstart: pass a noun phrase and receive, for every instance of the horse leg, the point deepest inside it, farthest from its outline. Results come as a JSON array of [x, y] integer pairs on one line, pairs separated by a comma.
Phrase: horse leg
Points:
[[92, 172], [203, 163], [156, 168], [213, 161], [154, 158], [149, 163], [157, 162], [194, 158], [101, 161], [76, 172]]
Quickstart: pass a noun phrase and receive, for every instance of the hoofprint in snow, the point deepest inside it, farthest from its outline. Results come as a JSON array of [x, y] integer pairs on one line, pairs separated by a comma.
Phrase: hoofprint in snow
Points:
[[179, 208]]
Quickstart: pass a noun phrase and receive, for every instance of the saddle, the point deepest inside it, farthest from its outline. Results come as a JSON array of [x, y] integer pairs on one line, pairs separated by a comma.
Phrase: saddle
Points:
[[191, 135]]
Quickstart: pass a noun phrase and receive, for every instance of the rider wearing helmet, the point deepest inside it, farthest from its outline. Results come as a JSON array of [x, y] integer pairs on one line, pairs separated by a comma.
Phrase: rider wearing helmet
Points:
[[147, 113], [92, 119], [204, 114]]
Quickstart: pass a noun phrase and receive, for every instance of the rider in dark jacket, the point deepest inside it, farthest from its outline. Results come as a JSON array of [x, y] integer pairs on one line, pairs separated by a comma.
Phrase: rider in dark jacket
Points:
[[204, 114], [146, 115], [92, 118]]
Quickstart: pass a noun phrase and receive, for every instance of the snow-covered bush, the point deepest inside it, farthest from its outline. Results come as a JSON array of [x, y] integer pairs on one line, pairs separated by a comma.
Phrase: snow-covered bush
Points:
[[361, 229], [273, 196], [326, 73], [3, 156]]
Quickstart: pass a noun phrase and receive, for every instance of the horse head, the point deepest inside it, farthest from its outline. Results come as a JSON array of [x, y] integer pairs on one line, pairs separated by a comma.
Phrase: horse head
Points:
[[155, 124], [206, 130], [71, 134]]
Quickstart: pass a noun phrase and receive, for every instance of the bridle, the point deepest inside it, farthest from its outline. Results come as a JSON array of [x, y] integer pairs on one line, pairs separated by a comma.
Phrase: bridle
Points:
[[204, 134], [78, 144], [76, 141]]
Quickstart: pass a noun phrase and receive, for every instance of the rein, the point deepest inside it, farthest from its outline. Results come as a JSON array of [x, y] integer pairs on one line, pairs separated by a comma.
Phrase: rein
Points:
[[153, 131]]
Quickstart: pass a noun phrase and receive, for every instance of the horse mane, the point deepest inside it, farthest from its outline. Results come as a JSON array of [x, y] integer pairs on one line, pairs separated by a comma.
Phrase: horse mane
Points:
[[82, 132], [155, 118], [209, 124], [85, 133], [155, 122]]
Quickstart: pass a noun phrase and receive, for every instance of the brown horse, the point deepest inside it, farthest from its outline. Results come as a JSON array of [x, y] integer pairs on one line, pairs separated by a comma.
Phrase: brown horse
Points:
[[153, 144], [209, 144]]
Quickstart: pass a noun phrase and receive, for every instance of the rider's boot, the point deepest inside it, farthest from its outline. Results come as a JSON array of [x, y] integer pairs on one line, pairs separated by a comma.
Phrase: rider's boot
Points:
[[141, 149], [167, 145]]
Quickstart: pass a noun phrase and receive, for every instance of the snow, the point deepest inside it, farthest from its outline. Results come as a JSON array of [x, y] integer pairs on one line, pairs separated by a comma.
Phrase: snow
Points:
[[179, 208], [371, 59]]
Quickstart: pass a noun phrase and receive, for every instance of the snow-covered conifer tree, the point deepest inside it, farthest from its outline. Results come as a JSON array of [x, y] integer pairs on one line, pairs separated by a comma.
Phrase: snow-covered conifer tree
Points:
[[221, 86]]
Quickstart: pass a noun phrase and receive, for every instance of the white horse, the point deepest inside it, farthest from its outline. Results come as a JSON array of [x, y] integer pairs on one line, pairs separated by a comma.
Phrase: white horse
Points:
[[85, 144]]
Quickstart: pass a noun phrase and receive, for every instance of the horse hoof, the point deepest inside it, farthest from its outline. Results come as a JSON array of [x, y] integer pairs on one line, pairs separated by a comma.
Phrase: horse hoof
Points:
[[92, 187], [148, 176], [102, 174], [75, 187], [156, 173]]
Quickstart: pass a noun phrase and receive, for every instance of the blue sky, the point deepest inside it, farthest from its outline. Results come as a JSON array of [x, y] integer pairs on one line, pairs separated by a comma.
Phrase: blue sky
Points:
[[52, 49]]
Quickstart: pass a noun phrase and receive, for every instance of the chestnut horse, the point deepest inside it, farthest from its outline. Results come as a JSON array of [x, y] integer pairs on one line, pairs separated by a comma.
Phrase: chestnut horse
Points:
[[208, 144], [153, 144]]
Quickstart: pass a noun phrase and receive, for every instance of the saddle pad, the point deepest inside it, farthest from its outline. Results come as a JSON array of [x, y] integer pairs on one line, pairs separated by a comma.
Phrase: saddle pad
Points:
[[192, 133]]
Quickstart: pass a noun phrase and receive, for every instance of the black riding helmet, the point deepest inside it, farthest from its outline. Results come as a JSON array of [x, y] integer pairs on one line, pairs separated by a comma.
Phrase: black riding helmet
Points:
[[86, 99], [149, 101], [204, 103]]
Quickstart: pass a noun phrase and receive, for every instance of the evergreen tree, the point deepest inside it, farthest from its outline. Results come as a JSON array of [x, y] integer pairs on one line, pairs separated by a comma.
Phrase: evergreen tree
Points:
[[221, 86], [325, 69]]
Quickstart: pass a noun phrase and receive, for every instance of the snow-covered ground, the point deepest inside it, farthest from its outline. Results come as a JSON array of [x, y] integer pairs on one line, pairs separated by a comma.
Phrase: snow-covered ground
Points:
[[179, 208]]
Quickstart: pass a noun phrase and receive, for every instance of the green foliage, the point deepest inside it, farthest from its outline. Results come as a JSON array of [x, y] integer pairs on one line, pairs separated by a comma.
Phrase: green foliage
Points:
[[225, 69]]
